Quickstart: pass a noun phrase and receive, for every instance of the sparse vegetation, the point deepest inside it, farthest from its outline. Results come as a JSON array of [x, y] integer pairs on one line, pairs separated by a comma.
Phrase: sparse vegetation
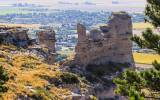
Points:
[[1, 39], [60, 78], [60, 57], [4, 77], [93, 98], [32, 77]]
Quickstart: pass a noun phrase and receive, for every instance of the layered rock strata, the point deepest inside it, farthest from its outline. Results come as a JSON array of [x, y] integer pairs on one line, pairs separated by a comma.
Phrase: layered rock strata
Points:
[[109, 43], [15, 35]]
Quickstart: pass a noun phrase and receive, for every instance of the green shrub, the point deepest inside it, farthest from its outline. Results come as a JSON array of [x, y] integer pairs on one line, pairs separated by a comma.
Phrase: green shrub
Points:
[[61, 78], [23, 50], [4, 77], [65, 78], [60, 57], [2, 56], [1, 39], [27, 65], [41, 94]]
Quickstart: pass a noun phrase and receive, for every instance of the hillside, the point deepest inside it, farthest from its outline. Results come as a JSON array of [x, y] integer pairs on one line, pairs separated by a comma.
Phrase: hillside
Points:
[[32, 77]]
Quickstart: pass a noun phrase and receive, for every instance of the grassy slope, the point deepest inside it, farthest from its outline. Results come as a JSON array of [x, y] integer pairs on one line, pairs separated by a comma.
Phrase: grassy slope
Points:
[[28, 71]]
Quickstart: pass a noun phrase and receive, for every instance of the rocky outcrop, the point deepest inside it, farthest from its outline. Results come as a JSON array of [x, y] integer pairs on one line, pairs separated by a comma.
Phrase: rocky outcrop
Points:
[[47, 37], [18, 37], [109, 43], [15, 35]]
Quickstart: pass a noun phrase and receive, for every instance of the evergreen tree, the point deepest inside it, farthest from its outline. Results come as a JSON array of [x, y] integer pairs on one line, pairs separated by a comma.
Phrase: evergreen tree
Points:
[[133, 82], [152, 12], [134, 96], [4, 77]]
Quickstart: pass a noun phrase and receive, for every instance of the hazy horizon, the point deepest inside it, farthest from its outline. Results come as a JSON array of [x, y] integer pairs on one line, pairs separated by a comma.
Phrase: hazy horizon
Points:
[[126, 5], [49, 2]]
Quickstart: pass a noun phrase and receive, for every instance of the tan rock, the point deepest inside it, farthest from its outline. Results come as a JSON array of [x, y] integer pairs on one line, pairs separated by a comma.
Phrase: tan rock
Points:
[[47, 37], [109, 43]]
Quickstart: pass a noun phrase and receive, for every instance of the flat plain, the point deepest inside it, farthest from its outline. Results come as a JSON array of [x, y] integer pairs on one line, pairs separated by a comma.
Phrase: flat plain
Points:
[[144, 58]]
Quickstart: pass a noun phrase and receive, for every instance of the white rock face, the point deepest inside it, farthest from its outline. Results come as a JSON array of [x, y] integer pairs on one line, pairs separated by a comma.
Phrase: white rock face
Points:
[[108, 43]]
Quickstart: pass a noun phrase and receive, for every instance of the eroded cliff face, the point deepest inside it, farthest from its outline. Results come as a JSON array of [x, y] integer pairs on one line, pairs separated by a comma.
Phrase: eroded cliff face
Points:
[[109, 43], [47, 37], [15, 35]]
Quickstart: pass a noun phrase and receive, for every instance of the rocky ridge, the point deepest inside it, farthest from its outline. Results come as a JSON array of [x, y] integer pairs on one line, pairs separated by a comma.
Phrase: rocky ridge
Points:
[[15, 35], [44, 49]]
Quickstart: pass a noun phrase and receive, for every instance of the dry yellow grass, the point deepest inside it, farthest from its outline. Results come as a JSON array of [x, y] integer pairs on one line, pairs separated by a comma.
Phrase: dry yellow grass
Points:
[[22, 25], [142, 25], [135, 25], [25, 72], [145, 58]]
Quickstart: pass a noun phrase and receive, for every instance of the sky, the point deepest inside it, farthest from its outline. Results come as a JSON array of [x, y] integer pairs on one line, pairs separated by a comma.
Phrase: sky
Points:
[[137, 5], [79, 1]]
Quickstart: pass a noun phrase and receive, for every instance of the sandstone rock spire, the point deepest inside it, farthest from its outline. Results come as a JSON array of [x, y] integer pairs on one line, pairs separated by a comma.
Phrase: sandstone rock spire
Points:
[[108, 43], [47, 37]]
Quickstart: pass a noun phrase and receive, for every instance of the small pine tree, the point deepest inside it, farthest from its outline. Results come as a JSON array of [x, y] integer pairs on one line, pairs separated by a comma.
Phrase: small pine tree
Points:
[[134, 96], [152, 12], [4, 77], [133, 82]]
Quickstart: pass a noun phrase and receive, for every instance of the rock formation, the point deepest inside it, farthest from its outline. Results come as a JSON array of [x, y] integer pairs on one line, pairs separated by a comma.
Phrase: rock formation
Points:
[[109, 43], [18, 36], [15, 35], [47, 37]]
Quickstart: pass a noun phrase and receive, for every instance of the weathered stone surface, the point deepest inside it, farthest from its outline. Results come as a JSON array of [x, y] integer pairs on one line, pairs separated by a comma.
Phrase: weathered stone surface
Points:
[[15, 35], [108, 43], [47, 37]]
